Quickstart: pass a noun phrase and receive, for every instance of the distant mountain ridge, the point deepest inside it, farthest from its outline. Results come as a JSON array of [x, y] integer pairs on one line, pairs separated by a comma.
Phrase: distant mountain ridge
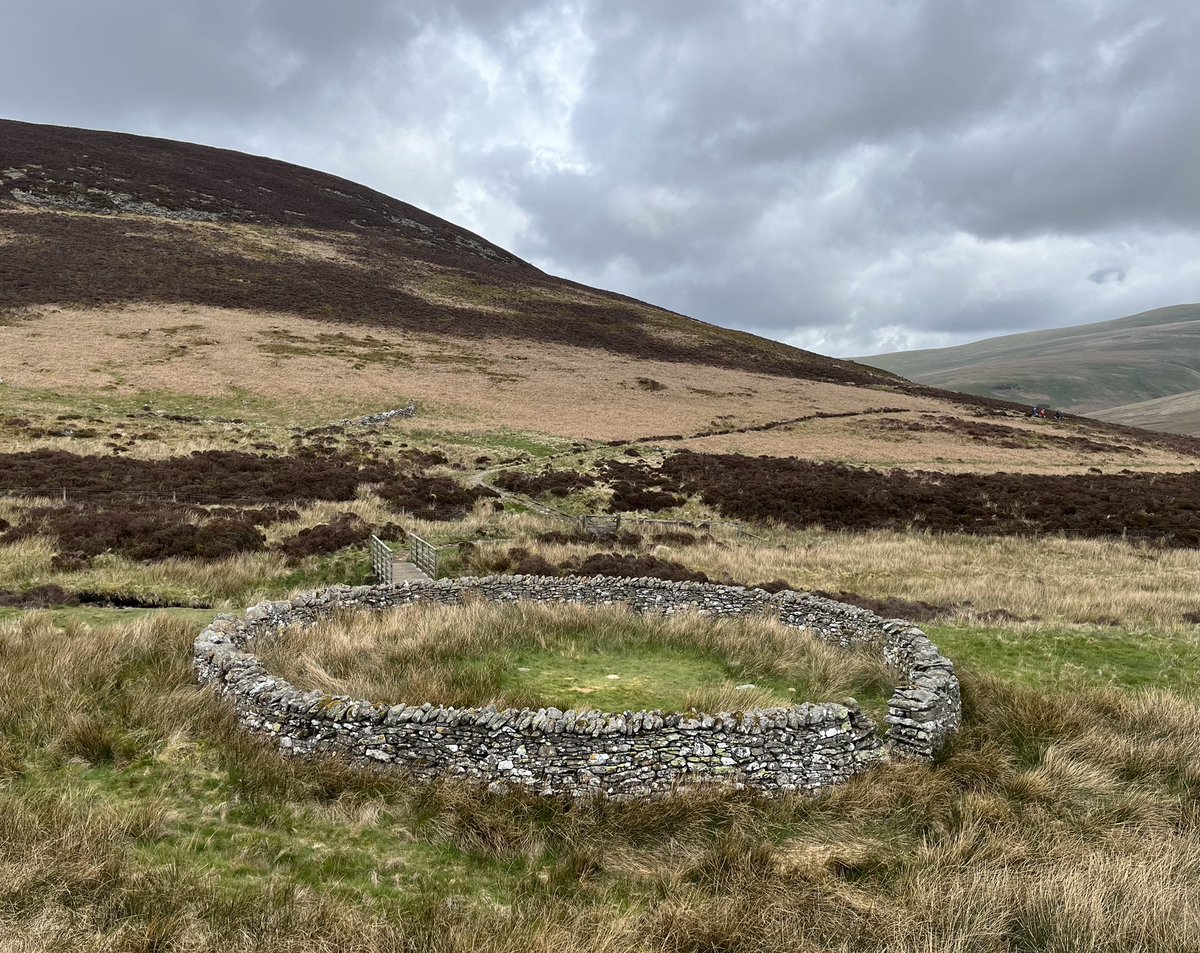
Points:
[[1142, 370]]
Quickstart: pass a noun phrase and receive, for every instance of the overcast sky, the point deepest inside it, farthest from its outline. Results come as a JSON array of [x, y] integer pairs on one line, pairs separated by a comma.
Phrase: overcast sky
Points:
[[850, 177]]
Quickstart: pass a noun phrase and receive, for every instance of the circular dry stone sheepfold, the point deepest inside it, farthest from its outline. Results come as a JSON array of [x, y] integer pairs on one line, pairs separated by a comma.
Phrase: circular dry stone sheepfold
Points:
[[801, 748]]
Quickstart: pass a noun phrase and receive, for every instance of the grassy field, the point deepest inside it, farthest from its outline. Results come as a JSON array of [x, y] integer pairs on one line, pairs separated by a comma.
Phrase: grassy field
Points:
[[171, 447], [572, 657], [1066, 816], [136, 817]]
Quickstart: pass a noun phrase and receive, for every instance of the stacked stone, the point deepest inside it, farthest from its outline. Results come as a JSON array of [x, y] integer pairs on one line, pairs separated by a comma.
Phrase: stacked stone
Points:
[[382, 417], [802, 748], [927, 708]]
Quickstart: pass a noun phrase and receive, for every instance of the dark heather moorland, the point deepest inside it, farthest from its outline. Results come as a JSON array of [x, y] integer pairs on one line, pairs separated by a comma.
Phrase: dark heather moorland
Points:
[[794, 492], [91, 258]]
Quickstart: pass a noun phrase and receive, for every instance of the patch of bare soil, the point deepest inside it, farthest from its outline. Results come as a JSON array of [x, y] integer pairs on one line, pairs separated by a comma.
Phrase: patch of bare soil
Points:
[[38, 597]]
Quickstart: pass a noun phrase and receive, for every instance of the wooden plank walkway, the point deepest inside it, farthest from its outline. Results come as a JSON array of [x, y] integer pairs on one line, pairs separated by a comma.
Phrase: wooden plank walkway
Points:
[[404, 571]]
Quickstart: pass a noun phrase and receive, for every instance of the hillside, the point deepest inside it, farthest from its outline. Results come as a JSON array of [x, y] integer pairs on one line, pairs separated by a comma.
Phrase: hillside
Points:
[[97, 220], [223, 376], [1142, 370], [148, 275]]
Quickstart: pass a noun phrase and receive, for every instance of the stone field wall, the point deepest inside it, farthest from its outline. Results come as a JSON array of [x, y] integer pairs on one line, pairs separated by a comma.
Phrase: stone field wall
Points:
[[801, 748]]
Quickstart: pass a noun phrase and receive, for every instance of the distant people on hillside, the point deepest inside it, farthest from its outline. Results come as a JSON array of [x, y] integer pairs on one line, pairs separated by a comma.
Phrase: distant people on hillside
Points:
[[1043, 413]]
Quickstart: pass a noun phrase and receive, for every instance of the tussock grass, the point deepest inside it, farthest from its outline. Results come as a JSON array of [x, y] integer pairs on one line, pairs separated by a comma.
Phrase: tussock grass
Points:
[[481, 523], [231, 582], [530, 656], [136, 816], [1058, 581], [26, 562]]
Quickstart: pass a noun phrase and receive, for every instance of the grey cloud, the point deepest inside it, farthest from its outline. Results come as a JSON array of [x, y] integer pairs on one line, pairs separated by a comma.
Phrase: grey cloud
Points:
[[846, 175], [226, 60], [997, 121]]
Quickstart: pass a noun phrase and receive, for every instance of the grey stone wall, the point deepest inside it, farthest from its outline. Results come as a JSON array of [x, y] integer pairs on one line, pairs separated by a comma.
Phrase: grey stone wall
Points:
[[410, 410], [801, 748]]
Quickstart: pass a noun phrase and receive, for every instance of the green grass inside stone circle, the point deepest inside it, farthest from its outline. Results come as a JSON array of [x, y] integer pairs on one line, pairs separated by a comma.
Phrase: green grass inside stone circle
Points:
[[572, 657]]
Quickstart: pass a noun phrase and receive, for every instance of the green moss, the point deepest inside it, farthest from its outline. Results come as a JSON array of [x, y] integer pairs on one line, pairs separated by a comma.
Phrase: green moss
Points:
[[99, 617], [1063, 658], [646, 678]]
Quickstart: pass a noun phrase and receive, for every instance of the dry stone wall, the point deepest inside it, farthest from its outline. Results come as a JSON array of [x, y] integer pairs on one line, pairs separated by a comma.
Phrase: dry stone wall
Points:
[[801, 748]]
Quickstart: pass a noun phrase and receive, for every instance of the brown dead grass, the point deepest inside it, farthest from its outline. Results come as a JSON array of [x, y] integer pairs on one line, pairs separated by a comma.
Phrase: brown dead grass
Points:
[[1059, 581], [465, 655], [854, 441], [478, 387]]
